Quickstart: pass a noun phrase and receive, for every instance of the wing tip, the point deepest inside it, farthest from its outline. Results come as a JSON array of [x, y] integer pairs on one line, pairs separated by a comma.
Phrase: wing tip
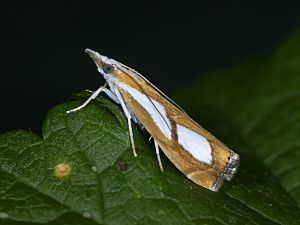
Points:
[[228, 172]]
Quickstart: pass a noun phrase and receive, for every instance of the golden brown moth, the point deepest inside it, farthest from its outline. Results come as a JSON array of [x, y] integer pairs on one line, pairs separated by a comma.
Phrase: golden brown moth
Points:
[[193, 150]]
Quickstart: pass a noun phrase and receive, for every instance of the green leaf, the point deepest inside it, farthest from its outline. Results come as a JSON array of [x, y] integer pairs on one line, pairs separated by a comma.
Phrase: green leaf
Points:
[[261, 100], [253, 108]]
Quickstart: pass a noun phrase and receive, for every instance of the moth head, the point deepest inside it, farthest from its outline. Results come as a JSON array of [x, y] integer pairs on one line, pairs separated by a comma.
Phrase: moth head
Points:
[[104, 64]]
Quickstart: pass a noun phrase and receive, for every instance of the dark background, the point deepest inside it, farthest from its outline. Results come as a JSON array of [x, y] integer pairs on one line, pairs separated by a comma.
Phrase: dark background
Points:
[[43, 59]]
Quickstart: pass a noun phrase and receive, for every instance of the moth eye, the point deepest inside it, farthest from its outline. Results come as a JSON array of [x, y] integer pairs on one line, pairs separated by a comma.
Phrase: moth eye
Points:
[[108, 68]]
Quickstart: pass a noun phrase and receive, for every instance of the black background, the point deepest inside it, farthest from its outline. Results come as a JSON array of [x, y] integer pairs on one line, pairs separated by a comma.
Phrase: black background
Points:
[[42, 46]]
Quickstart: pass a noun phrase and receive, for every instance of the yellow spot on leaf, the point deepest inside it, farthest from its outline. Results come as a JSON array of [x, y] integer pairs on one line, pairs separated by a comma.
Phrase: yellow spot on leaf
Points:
[[62, 170], [86, 215], [3, 215], [94, 168]]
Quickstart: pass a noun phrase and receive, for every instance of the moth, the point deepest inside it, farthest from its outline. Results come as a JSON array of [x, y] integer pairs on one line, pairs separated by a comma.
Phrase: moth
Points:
[[194, 151]]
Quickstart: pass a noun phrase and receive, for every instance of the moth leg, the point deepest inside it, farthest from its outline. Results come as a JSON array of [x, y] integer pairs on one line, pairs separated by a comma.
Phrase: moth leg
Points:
[[131, 137], [129, 117], [158, 156], [94, 95], [109, 93]]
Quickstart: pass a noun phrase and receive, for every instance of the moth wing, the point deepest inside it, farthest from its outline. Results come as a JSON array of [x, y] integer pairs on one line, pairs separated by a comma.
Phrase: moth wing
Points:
[[192, 149]]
